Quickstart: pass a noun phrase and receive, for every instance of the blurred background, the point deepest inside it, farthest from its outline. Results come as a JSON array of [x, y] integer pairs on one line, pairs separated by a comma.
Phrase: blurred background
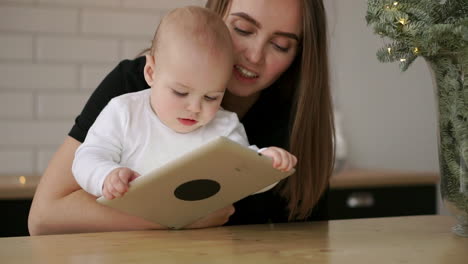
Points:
[[53, 53]]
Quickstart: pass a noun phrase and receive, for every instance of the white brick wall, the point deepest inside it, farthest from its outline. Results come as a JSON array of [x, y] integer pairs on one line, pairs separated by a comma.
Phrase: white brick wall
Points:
[[73, 49], [16, 106], [15, 161], [38, 19], [53, 54], [16, 47]]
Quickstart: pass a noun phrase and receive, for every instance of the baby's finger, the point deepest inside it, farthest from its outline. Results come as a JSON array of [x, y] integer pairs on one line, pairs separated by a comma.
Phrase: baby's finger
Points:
[[271, 153], [134, 176], [119, 185], [276, 155], [126, 174], [116, 193], [120, 181], [107, 194], [284, 160], [113, 189], [291, 162]]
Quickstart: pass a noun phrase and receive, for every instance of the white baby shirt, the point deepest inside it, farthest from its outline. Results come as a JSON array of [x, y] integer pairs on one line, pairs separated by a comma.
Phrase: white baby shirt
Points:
[[128, 133]]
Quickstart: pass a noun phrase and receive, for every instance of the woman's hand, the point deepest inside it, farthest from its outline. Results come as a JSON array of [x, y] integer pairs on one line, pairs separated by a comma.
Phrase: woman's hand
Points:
[[217, 218]]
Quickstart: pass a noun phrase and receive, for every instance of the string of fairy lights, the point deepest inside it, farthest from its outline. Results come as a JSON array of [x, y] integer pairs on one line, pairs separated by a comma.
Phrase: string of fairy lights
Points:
[[404, 22], [411, 23]]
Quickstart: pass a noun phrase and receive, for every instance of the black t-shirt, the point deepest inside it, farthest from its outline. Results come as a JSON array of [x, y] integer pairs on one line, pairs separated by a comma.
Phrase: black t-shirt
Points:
[[266, 124]]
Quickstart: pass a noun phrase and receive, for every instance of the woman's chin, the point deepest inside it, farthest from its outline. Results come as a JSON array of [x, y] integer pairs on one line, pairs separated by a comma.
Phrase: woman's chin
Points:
[[242, 91]]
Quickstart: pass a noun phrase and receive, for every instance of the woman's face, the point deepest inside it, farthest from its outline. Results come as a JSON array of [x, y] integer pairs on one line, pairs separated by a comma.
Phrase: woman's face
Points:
[[265, 35]]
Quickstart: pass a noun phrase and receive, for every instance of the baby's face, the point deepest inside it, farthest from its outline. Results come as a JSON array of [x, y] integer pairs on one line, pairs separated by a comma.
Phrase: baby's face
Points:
[[189, 86]]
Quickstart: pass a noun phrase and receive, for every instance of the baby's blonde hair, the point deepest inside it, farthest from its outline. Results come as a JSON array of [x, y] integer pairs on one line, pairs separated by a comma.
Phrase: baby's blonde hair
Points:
[[196, 25]]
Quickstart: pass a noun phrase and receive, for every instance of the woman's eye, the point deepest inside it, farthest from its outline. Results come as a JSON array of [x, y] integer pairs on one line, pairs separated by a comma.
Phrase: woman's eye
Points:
[[280, 48], [241, 31], [209, 98], [179, 93]]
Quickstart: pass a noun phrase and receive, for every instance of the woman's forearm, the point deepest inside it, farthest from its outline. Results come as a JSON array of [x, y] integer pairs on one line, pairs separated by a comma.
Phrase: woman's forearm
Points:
[[60, 206], [79, 212]]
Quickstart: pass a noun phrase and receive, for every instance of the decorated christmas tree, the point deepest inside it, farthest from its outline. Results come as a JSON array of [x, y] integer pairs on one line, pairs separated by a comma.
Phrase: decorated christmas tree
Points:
[[436, 30], [425, 28]]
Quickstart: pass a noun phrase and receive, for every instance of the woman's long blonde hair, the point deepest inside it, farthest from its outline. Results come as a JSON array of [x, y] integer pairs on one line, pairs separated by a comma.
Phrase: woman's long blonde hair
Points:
[[306, 84]]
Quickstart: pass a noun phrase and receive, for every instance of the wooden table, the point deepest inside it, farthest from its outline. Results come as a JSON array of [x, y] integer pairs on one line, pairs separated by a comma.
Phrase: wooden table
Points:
[[16, 192], [415, 239]]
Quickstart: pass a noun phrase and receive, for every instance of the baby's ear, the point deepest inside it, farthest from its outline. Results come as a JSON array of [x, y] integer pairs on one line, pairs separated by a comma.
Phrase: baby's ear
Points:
[[149, 70]]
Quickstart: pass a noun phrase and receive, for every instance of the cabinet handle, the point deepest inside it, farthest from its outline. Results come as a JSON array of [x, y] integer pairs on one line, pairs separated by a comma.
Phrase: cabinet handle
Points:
[[360, 200]]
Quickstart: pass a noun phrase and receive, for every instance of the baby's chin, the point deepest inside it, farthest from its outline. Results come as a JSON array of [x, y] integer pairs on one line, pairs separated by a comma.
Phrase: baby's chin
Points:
[[186, 130]]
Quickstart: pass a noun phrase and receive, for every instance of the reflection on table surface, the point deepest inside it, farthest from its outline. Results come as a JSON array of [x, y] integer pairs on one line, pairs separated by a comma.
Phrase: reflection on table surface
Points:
[[415, 239]]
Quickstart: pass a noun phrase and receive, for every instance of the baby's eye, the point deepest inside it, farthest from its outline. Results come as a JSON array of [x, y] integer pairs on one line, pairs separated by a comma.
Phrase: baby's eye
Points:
[[210, 98], [179, 93]]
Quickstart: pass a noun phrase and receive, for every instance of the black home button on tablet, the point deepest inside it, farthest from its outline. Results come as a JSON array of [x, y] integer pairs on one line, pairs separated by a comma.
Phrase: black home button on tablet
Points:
[[197, 190]]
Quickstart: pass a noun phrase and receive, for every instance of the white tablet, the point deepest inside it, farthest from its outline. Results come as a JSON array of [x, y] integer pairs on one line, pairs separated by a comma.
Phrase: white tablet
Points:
[[211, 177]]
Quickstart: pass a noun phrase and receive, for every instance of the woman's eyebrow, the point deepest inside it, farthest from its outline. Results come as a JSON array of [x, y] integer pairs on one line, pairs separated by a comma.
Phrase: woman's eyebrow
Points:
[[257, 24], [248, 18], [288, 35]]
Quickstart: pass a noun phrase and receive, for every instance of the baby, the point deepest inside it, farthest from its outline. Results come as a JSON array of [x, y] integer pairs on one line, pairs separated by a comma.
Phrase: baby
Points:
[[188, 68]]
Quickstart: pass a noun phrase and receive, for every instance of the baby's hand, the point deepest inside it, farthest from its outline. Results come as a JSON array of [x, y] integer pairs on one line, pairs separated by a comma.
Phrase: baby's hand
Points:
[[282, 160], [117, 182]]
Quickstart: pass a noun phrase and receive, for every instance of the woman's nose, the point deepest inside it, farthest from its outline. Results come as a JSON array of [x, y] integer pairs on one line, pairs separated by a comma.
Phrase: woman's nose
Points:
[[255, 53]]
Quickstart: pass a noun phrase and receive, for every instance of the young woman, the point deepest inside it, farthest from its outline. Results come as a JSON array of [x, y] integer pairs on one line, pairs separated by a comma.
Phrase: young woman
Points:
[[280, 91]]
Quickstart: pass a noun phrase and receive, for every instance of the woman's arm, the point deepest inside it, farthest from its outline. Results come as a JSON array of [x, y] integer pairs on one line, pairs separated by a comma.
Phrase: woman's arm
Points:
[[61, 206]]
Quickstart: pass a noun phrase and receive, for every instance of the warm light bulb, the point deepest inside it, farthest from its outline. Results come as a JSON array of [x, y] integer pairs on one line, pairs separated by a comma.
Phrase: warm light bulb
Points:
[[403, 21], [402, 60], [415, 50], [22, 180], [389, 50], [395, 3]]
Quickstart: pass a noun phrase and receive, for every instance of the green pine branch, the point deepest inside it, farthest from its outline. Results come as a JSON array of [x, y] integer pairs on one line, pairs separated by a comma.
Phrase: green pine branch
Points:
[[432, 26]]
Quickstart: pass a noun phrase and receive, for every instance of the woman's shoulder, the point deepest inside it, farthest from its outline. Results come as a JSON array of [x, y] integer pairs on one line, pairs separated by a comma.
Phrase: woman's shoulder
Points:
[[131, 72], [135, 65], [132, 65]]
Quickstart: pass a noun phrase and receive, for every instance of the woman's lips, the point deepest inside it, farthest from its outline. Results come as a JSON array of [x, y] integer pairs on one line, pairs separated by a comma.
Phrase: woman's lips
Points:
[[187, 122], [242, 77]]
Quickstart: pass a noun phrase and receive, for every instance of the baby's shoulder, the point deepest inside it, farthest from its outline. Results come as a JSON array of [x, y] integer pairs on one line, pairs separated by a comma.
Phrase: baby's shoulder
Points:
[[130, 100], [224, 122], [225, 116]]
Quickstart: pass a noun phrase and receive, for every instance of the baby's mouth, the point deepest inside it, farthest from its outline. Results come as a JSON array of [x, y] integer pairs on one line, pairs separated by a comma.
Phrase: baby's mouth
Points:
[[187, 121]]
